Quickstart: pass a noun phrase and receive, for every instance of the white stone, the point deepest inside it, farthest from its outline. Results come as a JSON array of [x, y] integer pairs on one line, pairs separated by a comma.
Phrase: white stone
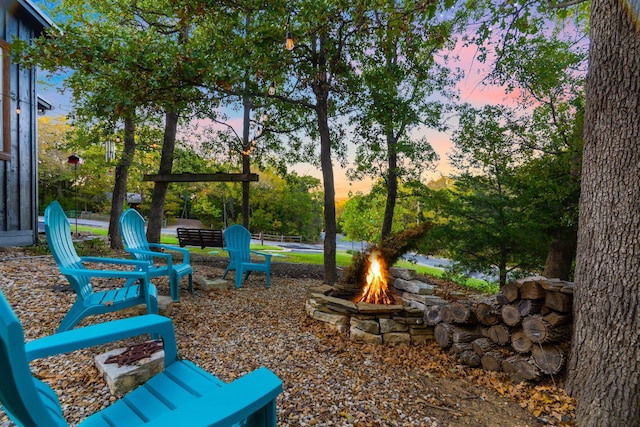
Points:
[[424, 299], [360, 335], [330, 318], [413, 286], [207, 285], [390, 325], [396, 338], [369, 326], [122, 379], [165, 307], [403, 273]]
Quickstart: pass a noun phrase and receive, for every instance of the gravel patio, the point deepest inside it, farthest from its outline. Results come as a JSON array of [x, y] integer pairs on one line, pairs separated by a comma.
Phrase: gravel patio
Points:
[[327, 379]]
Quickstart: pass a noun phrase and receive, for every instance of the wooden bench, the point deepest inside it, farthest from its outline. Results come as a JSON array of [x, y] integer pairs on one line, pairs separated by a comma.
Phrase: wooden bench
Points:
[[203, 237]]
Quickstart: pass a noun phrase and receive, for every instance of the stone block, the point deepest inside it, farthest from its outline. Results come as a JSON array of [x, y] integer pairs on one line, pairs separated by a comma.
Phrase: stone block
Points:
[[413, 286], [403, 273], [122, 379], [331, 318], [396, 338], [359, 335], [390, 325], [424, 299], [207, 284], [369, 326], [165, 307]]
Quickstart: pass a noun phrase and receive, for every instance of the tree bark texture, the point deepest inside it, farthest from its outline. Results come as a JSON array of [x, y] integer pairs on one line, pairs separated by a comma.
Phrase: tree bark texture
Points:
[[392, 184], [156, 215], [120, 185], [560, 257], [246, 164], [604, 374], [330, 227]]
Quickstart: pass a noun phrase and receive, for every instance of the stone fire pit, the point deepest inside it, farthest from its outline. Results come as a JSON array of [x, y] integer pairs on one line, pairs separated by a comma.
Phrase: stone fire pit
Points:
[[401, 322]]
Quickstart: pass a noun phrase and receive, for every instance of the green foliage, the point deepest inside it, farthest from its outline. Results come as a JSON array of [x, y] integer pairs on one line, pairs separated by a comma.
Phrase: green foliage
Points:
[[391, 249], [362, 216], [92, 247]]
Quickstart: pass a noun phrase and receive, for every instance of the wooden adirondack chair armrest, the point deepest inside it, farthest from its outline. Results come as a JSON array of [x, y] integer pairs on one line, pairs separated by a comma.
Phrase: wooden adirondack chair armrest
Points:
[[121, 274], [184, 251], [154, 254], [229, 405], [103, 333], [231, 251], [117, 261], [264, 254]]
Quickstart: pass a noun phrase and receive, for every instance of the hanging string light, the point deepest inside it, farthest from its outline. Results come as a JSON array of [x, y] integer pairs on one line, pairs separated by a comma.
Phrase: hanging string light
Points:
[[289, 40]]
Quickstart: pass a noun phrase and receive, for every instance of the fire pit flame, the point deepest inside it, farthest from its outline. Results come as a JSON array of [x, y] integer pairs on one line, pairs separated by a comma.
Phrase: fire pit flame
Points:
[[376, 290]]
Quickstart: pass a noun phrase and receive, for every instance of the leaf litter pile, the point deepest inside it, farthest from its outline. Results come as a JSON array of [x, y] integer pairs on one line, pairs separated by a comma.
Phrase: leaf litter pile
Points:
[[328, 380]]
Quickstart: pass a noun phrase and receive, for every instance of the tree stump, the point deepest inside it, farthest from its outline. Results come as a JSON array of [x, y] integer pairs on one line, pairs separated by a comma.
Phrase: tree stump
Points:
[[520, 368], [550, 358], [464, 334], [482, 345], [470, 358], [492, 361], [432, 315], [511, 315], [463, 312], [442, 334], [559, 301], [520, 343], [532, 290], [488, 314], [445, 314], [538, 330], [510, 291], [459, 347], [499, 334]]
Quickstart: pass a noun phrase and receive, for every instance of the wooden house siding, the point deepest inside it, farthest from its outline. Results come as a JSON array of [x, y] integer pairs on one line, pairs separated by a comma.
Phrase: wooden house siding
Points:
[[19, 174]]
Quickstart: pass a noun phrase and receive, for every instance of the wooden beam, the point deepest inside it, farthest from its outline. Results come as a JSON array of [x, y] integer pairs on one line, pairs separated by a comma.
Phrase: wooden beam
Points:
[[201, 177]]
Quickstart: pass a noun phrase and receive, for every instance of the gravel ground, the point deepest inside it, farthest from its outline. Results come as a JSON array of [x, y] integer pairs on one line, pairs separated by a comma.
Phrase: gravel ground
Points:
[[328, 380]]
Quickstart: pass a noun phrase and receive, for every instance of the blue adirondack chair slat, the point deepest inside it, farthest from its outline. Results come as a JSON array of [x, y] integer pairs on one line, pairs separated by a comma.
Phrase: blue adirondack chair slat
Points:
[[132, 229], [238, 242], [183, 394], [76, 271]]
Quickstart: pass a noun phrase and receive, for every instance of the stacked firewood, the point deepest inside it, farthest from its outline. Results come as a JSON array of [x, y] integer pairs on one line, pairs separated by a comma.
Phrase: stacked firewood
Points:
[[524, 330]]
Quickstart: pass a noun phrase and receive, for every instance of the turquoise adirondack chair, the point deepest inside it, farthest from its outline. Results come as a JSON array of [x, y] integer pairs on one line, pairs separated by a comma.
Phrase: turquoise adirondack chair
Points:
[[132, 229], [238, 240], [182, 395], [137, 288]]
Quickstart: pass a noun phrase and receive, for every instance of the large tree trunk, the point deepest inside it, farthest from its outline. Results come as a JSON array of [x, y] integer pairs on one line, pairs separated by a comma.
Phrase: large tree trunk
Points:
[[246, 165], [392, 186], [330, 270], [560, 257], [120, 185], [603, 369], [160, 189]]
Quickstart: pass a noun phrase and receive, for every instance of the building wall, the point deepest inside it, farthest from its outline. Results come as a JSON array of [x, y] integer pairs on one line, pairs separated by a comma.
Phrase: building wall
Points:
[[19, 175]]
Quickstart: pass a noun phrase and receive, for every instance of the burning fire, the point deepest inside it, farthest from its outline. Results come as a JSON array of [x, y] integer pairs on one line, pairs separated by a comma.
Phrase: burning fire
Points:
[[375, 290]]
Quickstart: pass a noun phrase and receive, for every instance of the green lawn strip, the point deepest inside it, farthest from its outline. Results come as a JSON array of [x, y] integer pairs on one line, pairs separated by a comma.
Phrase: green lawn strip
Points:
[[343, 259]]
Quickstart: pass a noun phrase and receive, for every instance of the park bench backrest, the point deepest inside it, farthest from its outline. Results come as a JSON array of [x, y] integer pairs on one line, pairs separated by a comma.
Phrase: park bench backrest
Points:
[[203, 237]]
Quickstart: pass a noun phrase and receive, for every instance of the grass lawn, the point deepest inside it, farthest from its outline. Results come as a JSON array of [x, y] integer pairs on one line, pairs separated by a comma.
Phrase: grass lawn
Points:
[[343, 259]]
